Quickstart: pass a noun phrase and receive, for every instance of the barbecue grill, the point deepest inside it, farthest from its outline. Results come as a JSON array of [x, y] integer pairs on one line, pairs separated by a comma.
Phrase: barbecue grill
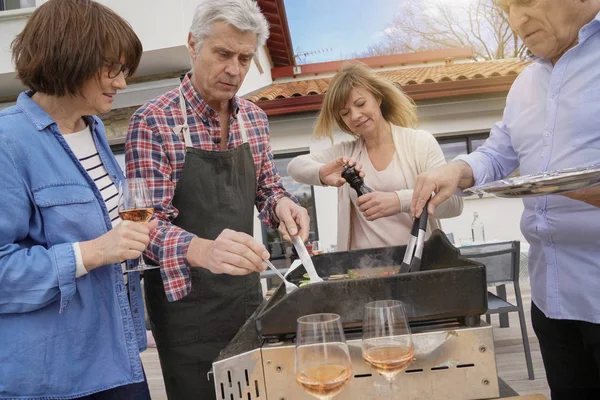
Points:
[[454, 349]]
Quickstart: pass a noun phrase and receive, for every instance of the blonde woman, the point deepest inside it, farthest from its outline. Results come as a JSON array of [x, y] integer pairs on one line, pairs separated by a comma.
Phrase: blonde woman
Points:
[[388, 152]]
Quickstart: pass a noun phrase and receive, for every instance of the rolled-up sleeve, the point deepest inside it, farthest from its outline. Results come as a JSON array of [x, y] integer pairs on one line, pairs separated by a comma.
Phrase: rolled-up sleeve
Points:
[[30, 277], [146, 158], [495, 159]]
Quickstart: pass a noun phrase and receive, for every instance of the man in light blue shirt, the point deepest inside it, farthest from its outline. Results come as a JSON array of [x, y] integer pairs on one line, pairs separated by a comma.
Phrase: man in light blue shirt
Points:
[[551, 121]]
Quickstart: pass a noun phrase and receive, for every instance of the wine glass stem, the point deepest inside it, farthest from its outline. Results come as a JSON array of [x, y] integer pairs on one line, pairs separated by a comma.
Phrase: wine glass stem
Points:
[[142, 263]]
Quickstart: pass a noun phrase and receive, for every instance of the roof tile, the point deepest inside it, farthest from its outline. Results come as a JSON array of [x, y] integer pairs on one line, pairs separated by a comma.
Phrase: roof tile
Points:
[[404, 77]]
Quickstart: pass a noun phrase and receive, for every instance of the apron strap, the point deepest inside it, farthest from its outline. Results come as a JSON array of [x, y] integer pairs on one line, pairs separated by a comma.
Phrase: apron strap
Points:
[[242, 124], [185, 128]]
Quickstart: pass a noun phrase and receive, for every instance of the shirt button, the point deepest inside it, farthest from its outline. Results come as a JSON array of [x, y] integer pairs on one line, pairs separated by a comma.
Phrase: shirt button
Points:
[[547, 134]]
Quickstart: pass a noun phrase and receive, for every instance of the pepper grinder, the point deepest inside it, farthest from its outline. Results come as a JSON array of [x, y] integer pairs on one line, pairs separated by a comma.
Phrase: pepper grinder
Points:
[[353, 179]]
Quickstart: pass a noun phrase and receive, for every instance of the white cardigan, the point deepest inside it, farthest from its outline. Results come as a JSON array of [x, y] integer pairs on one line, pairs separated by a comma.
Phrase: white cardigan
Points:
[[417, 152]]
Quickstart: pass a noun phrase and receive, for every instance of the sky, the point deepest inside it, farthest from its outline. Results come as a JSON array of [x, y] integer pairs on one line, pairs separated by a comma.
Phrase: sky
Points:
[[344, 26]]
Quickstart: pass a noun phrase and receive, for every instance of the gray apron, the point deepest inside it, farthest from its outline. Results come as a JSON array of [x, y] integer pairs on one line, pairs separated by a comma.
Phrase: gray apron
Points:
[[216, 191]]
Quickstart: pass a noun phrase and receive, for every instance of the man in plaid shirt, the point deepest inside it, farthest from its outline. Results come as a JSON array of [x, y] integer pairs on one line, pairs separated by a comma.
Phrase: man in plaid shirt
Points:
[[206, 156]]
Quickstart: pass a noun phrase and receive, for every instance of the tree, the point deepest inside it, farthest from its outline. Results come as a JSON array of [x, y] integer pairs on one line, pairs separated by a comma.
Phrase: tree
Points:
[[433, 24]]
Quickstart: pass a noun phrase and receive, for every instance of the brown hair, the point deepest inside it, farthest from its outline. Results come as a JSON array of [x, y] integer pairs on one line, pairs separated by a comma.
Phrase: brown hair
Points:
[[396, 107], [66, 42]]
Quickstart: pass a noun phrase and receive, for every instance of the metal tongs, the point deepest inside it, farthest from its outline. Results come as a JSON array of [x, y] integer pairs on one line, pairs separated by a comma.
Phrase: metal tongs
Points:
[[306, 261], [416, 241]]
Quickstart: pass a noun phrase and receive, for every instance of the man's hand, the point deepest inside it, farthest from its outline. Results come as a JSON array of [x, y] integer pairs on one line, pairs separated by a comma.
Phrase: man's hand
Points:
[[293, 219], [331, 173], [378, 205], [589, 195], [443, 181], [231, 253], [126, 241]]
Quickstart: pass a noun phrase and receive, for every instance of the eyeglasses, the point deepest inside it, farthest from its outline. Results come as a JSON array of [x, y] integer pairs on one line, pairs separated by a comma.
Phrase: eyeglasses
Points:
[[115, 68]]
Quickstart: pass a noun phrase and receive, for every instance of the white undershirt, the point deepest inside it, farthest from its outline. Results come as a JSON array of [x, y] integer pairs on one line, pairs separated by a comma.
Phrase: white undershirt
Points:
[[388, 231], [83, 146]]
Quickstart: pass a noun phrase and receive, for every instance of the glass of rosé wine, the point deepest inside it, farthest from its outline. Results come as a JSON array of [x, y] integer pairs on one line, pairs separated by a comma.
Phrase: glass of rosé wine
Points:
[[135, 204], [386, 339], [323, 365]]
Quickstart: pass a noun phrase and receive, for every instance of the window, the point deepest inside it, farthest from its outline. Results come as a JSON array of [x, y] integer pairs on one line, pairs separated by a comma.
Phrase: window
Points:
[[458, 145], [281, 251], [6, 5]]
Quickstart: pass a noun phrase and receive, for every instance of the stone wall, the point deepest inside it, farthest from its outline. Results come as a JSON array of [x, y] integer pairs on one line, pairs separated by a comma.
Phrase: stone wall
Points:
[[116, 122]]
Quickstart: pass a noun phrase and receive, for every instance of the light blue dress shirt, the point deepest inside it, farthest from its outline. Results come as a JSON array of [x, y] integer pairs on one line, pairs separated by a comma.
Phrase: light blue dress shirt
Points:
[[552, 121], [60, 337]]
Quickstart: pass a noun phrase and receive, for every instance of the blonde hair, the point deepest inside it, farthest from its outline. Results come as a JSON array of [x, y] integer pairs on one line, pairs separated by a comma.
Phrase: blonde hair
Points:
[[396, 107]]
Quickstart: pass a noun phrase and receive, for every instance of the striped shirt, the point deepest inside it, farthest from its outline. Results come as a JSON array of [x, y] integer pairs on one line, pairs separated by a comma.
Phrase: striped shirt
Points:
[[83, 146], [154, 152]]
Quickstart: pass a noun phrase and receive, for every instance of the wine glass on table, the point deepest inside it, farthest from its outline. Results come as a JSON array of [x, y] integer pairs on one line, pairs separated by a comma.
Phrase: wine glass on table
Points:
[[323, 365], [386, 339], [135, 204]]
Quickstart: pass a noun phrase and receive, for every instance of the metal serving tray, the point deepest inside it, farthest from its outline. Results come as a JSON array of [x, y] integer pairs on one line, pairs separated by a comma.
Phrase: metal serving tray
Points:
[[552, 182]]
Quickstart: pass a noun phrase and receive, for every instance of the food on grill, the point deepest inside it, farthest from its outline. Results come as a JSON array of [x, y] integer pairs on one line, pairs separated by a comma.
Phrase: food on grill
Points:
[[373, 272]]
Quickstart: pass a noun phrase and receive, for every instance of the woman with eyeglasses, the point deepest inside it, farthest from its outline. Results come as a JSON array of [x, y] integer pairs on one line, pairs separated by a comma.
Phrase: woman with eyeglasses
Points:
[[69, 325]]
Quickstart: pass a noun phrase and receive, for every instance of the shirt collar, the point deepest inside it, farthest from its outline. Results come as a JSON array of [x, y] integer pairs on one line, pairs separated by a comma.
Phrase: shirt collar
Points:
[[200, 105], [40, 118], [589, 29]]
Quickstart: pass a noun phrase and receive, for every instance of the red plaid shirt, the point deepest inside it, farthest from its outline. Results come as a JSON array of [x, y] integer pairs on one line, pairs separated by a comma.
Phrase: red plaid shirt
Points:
[[154, 152]]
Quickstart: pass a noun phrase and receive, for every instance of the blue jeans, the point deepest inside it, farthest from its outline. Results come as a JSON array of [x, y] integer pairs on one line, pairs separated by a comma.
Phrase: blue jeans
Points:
[[134, 391]]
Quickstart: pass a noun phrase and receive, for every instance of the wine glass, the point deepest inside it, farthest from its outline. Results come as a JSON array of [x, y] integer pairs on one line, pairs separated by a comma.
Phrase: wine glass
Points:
[[135, 204], [316, 247], [323, 365], [386, 339]]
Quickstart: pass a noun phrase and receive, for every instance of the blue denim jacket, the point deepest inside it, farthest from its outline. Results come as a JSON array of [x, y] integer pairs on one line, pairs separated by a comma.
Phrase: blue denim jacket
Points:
[[60, 337]]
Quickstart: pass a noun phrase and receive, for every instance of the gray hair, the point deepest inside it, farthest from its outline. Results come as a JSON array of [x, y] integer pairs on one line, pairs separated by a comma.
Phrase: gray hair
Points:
[[245, 15]]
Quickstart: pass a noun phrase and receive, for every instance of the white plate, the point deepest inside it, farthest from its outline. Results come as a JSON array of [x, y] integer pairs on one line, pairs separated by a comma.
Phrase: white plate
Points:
[[552, 182]]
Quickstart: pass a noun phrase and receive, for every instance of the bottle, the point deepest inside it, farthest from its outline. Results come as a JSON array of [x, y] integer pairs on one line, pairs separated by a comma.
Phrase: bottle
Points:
[[353, 178], [477, 230]]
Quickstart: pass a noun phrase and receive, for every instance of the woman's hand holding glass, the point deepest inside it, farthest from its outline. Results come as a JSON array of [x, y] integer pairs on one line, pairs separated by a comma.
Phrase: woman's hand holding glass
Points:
[[131, 236]]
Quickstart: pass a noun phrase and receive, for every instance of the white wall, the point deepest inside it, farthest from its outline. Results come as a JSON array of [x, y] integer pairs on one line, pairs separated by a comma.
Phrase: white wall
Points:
[[11, 23], [255, 79], [159, 24], [463, 116], [500, 216], [163, 28]]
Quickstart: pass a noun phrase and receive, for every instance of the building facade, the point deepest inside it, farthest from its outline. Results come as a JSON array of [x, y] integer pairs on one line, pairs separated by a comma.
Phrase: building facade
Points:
[[458, 100]]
